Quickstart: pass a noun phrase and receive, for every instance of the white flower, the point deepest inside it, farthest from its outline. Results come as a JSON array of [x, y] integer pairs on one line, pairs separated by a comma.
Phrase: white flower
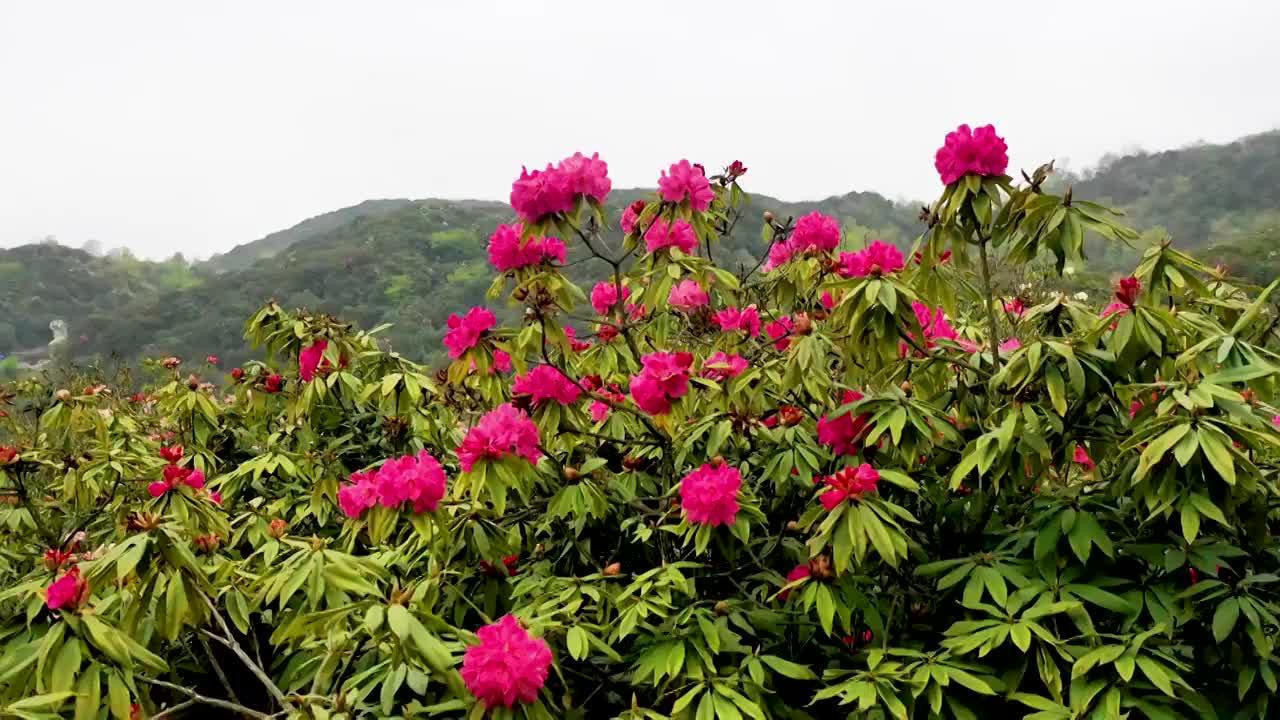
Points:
[[1069, 270], [1081, 296]]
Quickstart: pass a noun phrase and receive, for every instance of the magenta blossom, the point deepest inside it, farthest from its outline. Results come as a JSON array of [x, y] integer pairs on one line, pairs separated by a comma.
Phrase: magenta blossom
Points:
[[679, 234], [686, 181], [664, 379], [780, 332], [709, 495], [849, 484], [1081, 457], [817, 232], [971, 152], [545, 383], [600, 409], [538, 194], [67, 592], [464, 332], [844, 433], [503, 431], [507, 252], [586, 176], [418, 479], [799, 572], [631, 216], [358, 495], [687, 296], [509, 666], [605, 295], [720, 367], [746, 319], [310, 358], [876, 259]]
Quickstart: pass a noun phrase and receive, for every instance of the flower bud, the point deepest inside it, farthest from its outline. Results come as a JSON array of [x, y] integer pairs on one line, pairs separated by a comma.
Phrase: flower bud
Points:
[[792, 526], [572, 474], [803, 324], [63, 395], [612, 569], [722, 607], [277, 527], [768, 217], [905, 387]]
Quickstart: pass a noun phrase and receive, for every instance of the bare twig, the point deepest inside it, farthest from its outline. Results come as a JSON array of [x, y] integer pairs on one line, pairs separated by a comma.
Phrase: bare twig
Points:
[[197, 697], [230, 643], [217, 669]]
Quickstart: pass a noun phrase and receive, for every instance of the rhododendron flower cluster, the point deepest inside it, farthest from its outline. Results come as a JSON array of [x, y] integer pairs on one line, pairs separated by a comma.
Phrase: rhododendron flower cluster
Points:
[[664, 234], [815, 232], [310, 358], [506, 252], [687, 296], [538, 194], [171, 453], [67, 592], [503, 431], [780, 332], [508, 666], [935, 326], [604, 296], [709, 495], [876, 259], [746, 319], [685, 181], [418, 479], [574, 343], [175, 476], [632, 215], [1015, 307], [844, 433], [464, 332], [721, 366], [849, 484], [664, 379], [971, 152], [543, 383], [274, 383]]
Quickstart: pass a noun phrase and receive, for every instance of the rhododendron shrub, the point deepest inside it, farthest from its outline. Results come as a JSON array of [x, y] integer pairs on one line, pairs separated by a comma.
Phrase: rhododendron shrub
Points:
[[834, 485]]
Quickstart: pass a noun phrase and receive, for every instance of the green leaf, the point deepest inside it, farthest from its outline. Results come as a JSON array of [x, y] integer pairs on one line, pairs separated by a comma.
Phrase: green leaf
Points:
[[1218, 455], [1156, 673], [786, 668], [1225, 617], [118, 696], [398, 619], [577, 642], [1190, 522], [66, 666], [1057, 389]]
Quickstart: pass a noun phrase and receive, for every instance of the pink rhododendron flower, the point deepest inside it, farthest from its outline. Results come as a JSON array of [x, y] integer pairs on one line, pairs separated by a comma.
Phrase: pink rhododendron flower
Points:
[[849, 484], [418, 479], [508, 666], [1082, 458], [933, 322], [686, 181], [501, 362], [587, 176], [746, 319], [309, 359], [664, 379], [69, 591], [543, 383], [687, 295], [537, 194], [175, 476], [215, 497], [780, 253], [632, 215], [844, 433], [828, 300], [977, 152], [503, 431], [464, 332], [171, 453], [816, 231], [506, 252], [779, 331], [720, 366], [1010, 345], [1015, 307], [1135, 407], [359, 495], [678, 234], [876, 259], [605, 295], [1275, 421], [709, 495], [799, 572]]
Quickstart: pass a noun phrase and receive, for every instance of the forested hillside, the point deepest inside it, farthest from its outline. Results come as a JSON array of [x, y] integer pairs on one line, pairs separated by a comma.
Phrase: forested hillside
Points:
[[411, 263]]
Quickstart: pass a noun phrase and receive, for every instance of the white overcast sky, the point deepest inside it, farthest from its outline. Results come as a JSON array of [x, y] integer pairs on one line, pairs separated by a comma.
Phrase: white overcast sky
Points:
[[194, 126]]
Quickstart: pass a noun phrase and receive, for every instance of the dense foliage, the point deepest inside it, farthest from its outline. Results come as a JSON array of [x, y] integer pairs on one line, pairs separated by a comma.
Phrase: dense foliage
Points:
[[854, 483]]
